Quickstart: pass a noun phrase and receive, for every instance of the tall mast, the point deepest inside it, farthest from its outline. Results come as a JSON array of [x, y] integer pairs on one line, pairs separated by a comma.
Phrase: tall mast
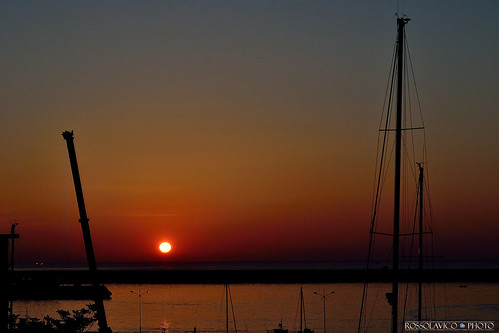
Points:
[[227, 308], [420, 249], [398, 145], [301, 310], [85, 228]]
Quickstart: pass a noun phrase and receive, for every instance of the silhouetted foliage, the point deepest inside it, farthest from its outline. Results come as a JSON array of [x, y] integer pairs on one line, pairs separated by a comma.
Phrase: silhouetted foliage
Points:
[[76, 321]]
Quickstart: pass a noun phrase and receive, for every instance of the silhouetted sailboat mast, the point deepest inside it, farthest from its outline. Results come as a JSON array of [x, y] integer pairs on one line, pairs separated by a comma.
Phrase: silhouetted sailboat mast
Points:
[[228, 300], [393, 298], [398, 95], [303, 318], [420, 246]]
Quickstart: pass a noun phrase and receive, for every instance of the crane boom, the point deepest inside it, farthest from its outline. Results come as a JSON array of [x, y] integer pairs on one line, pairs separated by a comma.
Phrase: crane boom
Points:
[[85, 228]]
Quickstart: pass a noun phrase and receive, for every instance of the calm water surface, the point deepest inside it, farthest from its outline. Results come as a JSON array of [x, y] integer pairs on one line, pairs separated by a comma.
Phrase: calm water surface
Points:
[[260, 307]]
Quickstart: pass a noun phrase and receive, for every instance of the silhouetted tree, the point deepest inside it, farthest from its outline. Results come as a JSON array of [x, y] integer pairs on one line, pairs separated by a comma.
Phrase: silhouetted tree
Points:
[[76, 321]]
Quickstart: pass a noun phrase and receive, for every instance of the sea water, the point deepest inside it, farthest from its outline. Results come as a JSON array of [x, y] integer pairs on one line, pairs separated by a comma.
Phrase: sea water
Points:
[[261, 307]]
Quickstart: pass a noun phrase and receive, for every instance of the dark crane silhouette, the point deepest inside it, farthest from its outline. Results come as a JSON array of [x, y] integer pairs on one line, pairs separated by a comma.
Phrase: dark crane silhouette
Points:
[[87, 238]]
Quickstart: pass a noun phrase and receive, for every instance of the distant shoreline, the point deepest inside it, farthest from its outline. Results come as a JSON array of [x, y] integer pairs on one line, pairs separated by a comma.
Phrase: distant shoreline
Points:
[[217, 276]]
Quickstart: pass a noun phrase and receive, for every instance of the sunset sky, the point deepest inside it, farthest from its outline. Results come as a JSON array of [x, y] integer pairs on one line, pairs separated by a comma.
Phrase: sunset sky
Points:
[[237, 130]]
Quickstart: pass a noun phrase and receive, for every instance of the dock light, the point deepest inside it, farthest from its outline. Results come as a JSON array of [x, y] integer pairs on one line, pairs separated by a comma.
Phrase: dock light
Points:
[[139, 294], [324, 296]]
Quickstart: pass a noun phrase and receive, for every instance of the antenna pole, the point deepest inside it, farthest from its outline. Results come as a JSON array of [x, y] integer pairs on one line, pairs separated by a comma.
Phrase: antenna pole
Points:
[[12, 232]]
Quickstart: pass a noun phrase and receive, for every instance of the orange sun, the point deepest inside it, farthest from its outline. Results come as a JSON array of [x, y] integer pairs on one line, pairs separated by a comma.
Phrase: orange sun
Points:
[[165, 247]]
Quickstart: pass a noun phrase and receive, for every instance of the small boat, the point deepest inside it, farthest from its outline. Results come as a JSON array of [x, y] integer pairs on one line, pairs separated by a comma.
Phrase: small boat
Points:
[[279, 329]]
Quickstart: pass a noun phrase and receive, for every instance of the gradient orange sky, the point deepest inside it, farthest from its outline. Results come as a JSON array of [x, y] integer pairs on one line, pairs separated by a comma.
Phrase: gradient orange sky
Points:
[[237, 130]]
